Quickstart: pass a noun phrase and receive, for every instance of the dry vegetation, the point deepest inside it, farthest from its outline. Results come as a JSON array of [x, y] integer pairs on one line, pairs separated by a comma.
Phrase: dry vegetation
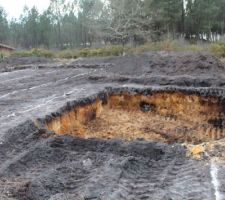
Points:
[[217, 49]]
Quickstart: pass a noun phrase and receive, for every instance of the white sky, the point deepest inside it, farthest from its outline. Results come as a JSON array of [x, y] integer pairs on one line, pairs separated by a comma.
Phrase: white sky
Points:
[[14, 8]]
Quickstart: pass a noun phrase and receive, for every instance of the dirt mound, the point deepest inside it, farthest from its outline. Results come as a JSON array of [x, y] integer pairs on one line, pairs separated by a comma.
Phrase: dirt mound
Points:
[[65, 166], [162, 63], [178, 69], [25, 60], [20, 63]]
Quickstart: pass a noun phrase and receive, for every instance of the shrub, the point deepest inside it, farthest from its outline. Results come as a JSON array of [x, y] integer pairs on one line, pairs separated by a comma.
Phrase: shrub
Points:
[[42, 53], [116, 50], [84, 52], [168, 45], [218, 49], [1, 56], [106, 51], [113, 51], [68, 54], [195, 48], [4, 55], [22, 53], [35, 52]]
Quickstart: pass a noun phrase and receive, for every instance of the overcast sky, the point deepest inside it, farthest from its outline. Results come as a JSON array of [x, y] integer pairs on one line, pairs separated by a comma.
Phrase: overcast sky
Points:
[[14, 8]]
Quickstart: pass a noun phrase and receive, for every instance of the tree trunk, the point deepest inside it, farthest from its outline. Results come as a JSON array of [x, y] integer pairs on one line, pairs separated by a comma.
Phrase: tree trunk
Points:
[[183, 18]]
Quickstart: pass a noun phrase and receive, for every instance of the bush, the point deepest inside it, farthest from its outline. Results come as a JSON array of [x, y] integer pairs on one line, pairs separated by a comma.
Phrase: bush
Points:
[[35, 52], [195, 48], [106, 51], [4, 55], [1, 57], [84, 52], [42, 53], [156, 46], [22, 53], [116, 50], [218, 49], [68, 54], [168, 45], [113, 51]]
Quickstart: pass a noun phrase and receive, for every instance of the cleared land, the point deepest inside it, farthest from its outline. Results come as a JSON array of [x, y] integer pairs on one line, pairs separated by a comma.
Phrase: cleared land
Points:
[[161, 97]]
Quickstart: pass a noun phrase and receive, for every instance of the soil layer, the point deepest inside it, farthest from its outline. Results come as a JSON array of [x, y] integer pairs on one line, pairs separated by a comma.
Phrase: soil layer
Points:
[[164, 116]]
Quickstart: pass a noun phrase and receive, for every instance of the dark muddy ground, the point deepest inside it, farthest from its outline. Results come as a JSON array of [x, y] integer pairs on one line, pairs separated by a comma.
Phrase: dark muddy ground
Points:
[[37, 165]]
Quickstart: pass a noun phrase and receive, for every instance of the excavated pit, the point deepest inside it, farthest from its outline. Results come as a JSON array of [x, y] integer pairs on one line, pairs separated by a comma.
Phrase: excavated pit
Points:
[[162, 96], [165, 116]]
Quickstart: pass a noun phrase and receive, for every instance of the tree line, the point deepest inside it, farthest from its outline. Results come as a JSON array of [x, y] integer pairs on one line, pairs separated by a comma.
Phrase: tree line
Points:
[[84, 23]]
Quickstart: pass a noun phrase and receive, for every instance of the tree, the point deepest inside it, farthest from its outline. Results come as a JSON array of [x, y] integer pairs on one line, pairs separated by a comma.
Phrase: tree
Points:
[[81, 23], [3, 26], [128, 21], [56, 9], [45, 29], [88, 17], [31, 28]]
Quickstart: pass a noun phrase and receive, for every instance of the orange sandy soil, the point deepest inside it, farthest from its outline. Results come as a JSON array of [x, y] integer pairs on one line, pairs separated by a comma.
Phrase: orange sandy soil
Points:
[[172, 117]]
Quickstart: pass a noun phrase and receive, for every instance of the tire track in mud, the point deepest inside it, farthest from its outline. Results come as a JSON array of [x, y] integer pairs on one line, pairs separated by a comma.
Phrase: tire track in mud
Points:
[[42, 106], [217, 171], [101, 169], [163, 180], [56, 84], [10, 80], [215, 182], [59, 81], [42, 95]]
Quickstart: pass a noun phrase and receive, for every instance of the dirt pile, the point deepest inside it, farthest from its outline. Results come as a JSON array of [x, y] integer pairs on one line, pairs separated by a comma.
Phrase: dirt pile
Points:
[[161, 63], [54, 167], [159, 69]]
